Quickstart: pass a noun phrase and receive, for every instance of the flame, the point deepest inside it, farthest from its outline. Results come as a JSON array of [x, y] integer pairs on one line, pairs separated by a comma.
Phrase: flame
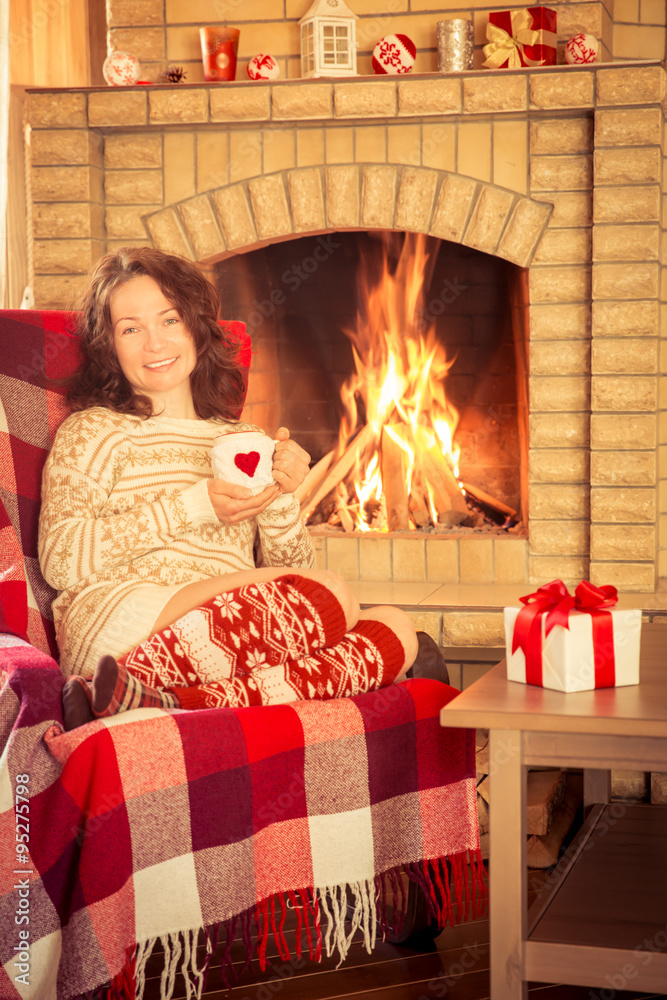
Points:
[[398, 383]]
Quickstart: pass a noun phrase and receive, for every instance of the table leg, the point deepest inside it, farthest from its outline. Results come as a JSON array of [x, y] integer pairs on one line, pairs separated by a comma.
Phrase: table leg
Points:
[[597, 787], [507, 864]]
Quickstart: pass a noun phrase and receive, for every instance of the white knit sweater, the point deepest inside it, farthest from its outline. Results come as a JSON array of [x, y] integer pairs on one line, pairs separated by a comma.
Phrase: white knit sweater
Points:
[[126, 521]]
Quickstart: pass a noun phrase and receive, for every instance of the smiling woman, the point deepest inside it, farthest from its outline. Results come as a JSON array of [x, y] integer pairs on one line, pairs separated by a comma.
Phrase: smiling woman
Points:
[[160, 602]]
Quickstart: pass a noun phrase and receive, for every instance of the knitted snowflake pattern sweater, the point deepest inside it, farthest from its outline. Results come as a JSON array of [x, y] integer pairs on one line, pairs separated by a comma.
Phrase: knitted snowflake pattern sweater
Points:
[[126, 521]]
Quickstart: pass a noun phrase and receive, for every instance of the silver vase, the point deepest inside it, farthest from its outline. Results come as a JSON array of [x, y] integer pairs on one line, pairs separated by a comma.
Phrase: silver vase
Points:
[[455, 45]]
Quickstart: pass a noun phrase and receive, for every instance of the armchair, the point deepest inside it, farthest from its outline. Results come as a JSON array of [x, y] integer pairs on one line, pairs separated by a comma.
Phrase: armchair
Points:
[[176, 827]]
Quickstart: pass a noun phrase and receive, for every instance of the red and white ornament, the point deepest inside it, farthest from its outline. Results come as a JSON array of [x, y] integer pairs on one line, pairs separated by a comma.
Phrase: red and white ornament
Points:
[[263, 67], [394, 54], [121, 69], [582, 49]]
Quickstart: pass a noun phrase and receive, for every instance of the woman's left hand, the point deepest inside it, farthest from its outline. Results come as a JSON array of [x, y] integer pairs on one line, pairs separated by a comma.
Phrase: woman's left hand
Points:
[[290, 462]]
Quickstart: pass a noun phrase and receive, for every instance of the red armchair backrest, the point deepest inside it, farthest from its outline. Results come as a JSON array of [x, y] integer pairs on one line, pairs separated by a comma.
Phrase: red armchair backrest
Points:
[[35, 348]]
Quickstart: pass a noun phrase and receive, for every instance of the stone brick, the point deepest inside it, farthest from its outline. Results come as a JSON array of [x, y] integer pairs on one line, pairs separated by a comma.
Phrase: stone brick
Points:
[[117, 106], [621, 356], [558, 465], [626, 243], [310, 147], [442, 560], [404, 144], [627, 577], [269, 203], [409, 560], [415, 199], [627, 204], [476, 559], [559, 538], [627, 166], [625, 281], [68, 220], [66, 184], [567, 393], [614, 392], [245, 155], [629, 127], [560, 284], [343, 557], [167, 233], [59, 110], [121, 13], [561, 173], [561, 135], [231, 104], [555, 430], [632, 85], [177, 105], [562, 90], [201, 227], [625, 319], [212, 160], [126, 221], [570, 321], [179, 166], [571, 209], [453, 206], [510, 562], [504, 92], [365, 100], [378, 197], [58, 291], [306, 199], [551, 502], [147, 44], [339, 145], [581, 17], [429, 97], [488, 219], [561, 357], [279, 150], [375, 559], [569, 569], [523, 231], [510, 154], [133, 187], [631, 430], [473, 628], [370, 144], [305, 100], [51, 147], [438, 145], [124, 150], [65, 256], [623, 468], [622, 505], [427, 621], [343, 201], [564, 246]]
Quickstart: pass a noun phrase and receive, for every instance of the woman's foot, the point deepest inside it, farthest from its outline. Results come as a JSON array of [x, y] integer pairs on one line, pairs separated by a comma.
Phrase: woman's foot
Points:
[[429, 661], [76, 697], [115, 690]]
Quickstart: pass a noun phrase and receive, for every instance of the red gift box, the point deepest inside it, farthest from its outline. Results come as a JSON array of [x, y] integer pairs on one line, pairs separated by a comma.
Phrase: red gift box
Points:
[[523, 37]]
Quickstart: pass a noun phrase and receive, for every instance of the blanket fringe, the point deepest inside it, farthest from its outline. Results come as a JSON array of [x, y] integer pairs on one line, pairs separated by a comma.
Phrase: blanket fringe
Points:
[[453, 887]]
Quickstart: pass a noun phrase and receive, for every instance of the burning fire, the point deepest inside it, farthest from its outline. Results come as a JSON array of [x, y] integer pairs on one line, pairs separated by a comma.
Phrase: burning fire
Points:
[[404, 469]]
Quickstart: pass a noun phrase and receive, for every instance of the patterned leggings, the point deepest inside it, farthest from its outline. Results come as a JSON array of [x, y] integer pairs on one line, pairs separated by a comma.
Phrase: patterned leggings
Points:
[[265, 644]]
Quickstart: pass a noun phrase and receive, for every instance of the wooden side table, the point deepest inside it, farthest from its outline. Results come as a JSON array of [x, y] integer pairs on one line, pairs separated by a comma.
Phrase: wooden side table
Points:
[[603, 923]]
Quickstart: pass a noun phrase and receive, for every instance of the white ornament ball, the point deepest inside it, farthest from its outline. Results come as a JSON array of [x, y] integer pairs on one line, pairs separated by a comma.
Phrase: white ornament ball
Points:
[[263, 67], [394, 54], [121, 69], [582, 49]]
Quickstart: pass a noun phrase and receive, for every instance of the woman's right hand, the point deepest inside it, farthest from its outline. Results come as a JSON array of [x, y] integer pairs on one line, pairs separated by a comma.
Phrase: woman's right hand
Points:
[[236, 503]]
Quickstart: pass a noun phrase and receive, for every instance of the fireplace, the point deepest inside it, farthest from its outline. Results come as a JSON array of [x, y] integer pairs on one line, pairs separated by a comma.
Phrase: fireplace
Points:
[[550, 179]]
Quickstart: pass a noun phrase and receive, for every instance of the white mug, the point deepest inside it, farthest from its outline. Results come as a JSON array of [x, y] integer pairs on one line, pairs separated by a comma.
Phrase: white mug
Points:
[[244, 458]]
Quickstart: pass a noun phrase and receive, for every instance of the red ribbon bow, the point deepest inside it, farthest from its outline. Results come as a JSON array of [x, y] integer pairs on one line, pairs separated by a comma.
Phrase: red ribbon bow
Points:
[[555, 601]]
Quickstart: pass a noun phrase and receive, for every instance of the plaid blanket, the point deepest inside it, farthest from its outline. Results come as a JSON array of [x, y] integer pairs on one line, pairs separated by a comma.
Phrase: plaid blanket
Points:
[[178, 826]]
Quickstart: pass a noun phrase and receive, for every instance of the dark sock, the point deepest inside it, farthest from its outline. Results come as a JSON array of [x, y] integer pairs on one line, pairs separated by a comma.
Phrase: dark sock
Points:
[[429, 661], [116, 690], [76, 703]]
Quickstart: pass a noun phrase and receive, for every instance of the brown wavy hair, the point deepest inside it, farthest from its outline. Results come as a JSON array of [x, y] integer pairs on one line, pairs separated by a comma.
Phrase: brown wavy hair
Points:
[[217, 382]]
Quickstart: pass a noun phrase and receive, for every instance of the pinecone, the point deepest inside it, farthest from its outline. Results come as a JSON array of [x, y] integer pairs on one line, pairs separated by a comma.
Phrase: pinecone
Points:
[[175, 74]]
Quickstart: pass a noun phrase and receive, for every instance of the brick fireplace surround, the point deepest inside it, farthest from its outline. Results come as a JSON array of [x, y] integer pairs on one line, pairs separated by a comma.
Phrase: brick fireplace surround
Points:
[[558, 171]]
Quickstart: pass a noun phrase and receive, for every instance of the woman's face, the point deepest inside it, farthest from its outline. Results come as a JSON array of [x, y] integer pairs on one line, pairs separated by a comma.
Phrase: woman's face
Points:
[[155, 349]]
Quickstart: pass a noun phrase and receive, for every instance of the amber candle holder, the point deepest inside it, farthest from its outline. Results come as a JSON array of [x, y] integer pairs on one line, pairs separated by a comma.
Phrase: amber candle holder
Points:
[[219, 47]]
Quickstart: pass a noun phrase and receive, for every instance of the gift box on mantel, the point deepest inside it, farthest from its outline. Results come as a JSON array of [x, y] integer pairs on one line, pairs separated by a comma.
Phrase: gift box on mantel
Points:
[[572, 642], [523, 37]]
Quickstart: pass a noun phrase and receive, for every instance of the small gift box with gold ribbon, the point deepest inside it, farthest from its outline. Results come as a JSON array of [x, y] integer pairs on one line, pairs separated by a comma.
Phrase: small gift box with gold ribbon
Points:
[[523, 37], [572, 642]]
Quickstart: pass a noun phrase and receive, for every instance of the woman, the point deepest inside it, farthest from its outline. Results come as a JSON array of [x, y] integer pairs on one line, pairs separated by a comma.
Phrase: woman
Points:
[[159, 600]]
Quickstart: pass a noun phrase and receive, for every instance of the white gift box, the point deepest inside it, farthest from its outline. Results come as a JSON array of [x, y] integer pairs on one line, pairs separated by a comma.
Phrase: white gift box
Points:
[[568, 662]]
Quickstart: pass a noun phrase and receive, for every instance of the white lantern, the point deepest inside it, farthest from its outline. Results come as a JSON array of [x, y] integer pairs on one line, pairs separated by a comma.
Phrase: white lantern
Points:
[[329, 40]]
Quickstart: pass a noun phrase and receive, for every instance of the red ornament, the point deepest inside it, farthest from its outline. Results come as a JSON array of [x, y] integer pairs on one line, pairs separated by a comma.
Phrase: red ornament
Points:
[[394, 54]]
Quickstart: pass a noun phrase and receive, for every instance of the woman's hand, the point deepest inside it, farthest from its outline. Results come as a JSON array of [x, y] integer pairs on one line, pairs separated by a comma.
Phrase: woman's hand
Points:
[[236, 503], [290, 462]]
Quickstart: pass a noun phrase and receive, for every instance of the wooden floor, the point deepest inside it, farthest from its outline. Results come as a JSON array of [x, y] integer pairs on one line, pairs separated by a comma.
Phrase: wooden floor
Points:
[[455, 965]]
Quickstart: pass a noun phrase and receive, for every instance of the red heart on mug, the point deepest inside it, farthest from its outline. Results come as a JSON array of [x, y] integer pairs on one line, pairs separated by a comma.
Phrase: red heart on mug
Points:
[[247, 462]]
